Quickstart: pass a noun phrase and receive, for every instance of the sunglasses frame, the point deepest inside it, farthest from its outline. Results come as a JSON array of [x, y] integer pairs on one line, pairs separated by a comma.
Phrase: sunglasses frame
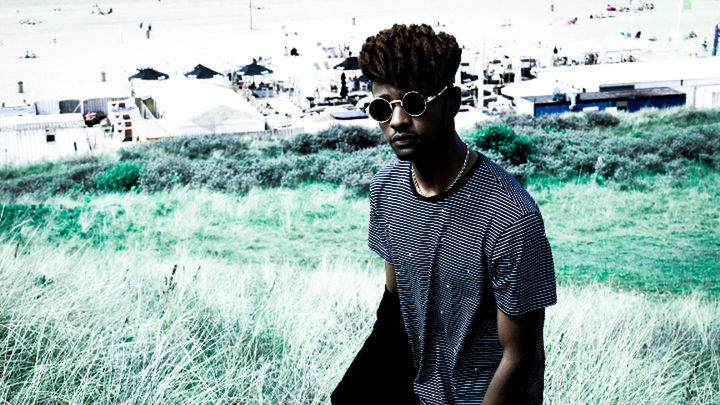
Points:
[[392, 102]]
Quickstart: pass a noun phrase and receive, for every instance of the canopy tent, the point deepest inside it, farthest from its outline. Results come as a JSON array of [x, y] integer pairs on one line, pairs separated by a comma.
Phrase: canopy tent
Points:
[[467, 77], [202, 72], [149, 74], [254, 69], [350, 63]]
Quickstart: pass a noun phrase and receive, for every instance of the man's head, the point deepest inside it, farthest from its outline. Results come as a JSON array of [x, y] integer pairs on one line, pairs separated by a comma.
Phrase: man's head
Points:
[[414, 58], [411, 57]]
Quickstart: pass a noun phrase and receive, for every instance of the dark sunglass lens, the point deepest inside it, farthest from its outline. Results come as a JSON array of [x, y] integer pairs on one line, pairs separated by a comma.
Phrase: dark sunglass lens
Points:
[[380, 110], [414, 103]]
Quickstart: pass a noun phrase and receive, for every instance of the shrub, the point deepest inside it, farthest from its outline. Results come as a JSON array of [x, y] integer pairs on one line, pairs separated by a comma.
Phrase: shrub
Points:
[[560, 122], [336, 138], [268, 172], [136, 151], [503, 140], [357, 138], [223, 174], [518, 120], [16, 215], [306, 168], [192, 147], [8, 172], [601, 119], [355, 170], [165, 172], [121, 177], [303, 143]]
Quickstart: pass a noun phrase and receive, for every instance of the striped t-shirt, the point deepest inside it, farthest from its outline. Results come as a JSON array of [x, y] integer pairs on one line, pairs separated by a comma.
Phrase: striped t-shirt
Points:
[[459, 256]]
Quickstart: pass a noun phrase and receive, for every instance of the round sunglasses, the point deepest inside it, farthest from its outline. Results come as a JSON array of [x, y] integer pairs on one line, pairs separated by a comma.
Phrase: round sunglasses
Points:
[[412, 102]]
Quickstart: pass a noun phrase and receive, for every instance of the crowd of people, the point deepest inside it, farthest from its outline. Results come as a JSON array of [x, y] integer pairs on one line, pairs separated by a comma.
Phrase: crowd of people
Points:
[[641, 6]]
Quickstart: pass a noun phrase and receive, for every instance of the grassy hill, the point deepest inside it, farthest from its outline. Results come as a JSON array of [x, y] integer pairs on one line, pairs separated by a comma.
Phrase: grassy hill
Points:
[[217, 270]]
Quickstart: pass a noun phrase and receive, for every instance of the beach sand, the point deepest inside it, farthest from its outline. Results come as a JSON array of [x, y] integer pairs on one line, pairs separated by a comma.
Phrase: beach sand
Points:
[[73, 46]]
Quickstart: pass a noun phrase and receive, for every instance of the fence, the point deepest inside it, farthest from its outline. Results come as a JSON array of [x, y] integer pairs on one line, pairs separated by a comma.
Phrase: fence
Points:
[[75, 106], [98, 104], [47, 107]]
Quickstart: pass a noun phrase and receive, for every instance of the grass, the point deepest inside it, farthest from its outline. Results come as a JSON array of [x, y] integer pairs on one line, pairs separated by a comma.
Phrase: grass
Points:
[[130, 327], [653, 119], [660, 241], [198, 296]]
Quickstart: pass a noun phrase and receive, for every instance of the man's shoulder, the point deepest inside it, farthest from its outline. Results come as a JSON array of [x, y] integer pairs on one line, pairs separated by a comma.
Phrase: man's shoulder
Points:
[[390, 175], [506, 193]]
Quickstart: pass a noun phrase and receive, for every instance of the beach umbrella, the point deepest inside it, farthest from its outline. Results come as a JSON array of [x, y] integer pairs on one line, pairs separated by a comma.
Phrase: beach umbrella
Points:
[[467, 77], [148, 74], [350, 63], [202, 72], [254, 69]]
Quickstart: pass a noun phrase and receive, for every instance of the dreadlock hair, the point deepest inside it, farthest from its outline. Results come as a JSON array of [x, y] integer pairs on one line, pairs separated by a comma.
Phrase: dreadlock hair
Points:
[[411, 57]]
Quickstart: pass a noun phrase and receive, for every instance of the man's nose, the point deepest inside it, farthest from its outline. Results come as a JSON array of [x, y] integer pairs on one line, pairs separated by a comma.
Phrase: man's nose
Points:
[[399, 118]]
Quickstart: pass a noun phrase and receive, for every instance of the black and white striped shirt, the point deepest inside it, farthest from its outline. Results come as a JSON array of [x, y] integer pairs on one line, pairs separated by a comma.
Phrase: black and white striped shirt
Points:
[[459, 256]]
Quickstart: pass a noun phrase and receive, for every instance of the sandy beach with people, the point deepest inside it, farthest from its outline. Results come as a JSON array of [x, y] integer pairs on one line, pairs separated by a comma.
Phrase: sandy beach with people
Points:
[[73, 44]]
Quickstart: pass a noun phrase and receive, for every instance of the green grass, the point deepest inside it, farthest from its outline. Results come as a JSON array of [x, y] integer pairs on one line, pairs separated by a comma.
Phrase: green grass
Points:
[[661, 240], [79, 326], [197, 296], [653, 119], [193, 295], [666, 240]]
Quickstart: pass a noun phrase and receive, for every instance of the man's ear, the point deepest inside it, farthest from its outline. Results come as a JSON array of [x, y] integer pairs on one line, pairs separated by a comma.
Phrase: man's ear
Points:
[[454, 100]]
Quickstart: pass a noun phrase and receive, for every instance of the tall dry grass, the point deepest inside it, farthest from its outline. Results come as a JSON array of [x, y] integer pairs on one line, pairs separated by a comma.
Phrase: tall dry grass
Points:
[[133, 328]]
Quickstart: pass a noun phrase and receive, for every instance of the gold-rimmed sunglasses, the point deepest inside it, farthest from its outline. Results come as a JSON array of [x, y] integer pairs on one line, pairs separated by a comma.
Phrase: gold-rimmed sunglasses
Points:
[[412, 102]]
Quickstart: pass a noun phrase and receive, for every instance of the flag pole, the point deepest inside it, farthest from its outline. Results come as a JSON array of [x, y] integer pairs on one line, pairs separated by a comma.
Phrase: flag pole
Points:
[[251, 15]]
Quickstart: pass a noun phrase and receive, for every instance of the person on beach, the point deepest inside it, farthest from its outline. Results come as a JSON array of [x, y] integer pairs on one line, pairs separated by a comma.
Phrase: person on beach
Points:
[[468, 267]]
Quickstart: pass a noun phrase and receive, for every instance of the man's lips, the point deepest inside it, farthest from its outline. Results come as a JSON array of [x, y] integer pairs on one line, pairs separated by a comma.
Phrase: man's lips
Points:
[[403, 139]]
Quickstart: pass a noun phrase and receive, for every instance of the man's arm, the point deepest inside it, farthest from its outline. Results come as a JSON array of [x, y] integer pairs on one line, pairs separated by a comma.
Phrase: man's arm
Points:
[[390, 281], [518, 336]]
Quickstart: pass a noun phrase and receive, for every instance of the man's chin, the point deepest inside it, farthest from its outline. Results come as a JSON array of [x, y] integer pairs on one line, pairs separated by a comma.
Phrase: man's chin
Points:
[[408, 154]]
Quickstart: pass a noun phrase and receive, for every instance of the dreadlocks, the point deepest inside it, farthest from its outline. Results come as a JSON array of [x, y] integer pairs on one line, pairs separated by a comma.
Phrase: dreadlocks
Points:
[[411, 57]]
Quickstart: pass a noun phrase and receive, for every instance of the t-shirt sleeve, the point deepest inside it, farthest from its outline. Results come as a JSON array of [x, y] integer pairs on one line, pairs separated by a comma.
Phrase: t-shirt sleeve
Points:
[[378, 238], [523, 274]]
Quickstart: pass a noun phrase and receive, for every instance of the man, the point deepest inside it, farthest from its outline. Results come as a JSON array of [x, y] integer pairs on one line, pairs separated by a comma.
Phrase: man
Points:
[[468, 265]]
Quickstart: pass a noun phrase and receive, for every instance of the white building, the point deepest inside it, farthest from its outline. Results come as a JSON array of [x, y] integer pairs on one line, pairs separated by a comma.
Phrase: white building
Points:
[[31, 138], [698, 78]]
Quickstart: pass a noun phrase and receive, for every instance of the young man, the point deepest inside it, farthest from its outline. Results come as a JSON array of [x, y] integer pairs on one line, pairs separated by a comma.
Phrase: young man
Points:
[[469, 269]]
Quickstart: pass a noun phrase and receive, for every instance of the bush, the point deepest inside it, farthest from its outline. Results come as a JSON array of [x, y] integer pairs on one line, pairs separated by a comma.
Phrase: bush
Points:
[[355, 170], [306, 168], [601, 119], [223, 174], [191, 147], [503, 140], [121, 177], [336, 138], [9, 172], [165, 172], [561, 122], [517, 120]]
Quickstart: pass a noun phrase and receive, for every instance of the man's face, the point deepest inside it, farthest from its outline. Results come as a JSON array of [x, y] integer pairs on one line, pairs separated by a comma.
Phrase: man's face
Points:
[[415, 138]]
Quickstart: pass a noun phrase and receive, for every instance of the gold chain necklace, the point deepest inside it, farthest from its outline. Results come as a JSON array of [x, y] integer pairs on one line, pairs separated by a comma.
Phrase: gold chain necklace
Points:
[[459, 175]]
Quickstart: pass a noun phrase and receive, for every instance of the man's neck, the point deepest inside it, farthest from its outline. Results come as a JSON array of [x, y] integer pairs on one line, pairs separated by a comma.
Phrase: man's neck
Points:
[[436, 173]]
